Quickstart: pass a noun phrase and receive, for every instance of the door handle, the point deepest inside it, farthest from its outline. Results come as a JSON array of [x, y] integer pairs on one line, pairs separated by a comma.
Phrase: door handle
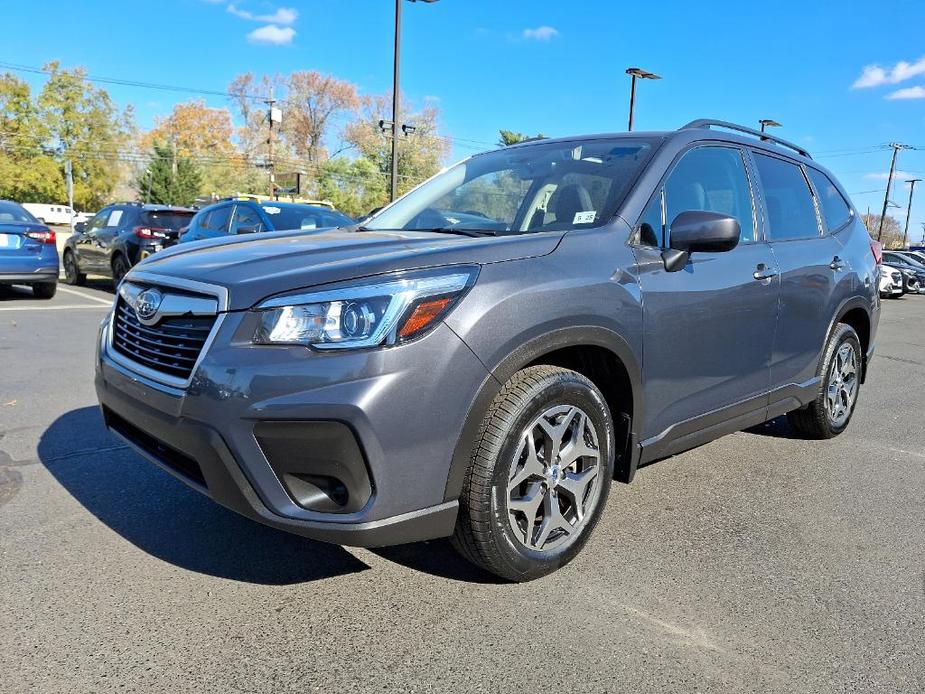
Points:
[[762, 272], [837, 264]]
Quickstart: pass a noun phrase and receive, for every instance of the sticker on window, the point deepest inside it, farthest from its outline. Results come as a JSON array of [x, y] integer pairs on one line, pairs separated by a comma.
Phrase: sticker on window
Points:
[[271, 210], [584, 217], [114, 218]]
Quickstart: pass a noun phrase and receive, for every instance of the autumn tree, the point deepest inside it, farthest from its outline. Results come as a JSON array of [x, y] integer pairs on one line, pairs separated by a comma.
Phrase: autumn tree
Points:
[[892, 230], [354, 186], [86, 127], [204, 135], [28, 173], [312, 106], [421, 154]]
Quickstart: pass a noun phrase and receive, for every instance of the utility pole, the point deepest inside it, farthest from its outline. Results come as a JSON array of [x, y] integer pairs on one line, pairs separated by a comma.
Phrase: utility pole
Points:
[[911, 182], [396, 96], [889, 184], [69, 182], [273, 115]]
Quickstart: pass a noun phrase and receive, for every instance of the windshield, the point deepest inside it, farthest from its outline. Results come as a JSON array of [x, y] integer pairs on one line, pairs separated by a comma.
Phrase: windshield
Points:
[[11, 212], [290, 217], [541, 187], [173, 219]]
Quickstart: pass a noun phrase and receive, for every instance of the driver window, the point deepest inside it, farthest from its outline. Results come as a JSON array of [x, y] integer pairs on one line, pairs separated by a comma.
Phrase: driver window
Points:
[[711, 179]]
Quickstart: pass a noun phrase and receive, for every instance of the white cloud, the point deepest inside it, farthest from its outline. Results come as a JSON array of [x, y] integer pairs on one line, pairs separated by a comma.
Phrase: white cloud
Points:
[[908, 93], [882, 176], [875, 75], [272, 34], [283, 15], [543, 33]]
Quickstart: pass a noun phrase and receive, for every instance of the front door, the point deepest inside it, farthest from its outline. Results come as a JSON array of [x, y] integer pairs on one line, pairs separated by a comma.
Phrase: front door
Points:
[[708, 329]]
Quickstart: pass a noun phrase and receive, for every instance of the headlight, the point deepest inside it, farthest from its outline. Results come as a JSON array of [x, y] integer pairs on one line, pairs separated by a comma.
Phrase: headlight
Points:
[[385, 311]]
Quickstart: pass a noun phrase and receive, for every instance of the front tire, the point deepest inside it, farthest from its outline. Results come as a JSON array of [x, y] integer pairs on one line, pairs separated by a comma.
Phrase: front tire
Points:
[[120, 268], [829, 414], [539, 475]]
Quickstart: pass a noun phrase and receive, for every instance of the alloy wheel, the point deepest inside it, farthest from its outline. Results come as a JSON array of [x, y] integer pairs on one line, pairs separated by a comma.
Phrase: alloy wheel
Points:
[[554, 483], [843, 385]]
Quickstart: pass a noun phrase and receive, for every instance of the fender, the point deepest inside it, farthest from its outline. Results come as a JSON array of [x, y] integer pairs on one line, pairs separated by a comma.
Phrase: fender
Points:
[[849, 304], [527, 353]]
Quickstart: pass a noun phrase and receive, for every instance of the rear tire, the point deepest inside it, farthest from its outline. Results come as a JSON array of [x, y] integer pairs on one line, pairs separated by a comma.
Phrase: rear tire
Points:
[[44, 290], [72, 273], [539, 475], [829, 414]]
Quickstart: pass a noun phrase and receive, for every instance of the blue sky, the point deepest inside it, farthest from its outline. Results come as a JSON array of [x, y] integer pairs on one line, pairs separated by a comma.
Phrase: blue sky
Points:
[[536, 66]]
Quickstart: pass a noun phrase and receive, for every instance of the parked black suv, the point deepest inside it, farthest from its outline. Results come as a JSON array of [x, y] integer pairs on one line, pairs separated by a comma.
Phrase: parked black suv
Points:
[[484, 355], [118, 237]]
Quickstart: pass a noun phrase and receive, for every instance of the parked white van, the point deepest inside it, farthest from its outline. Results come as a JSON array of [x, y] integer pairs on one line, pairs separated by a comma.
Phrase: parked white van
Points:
[[50, 214]]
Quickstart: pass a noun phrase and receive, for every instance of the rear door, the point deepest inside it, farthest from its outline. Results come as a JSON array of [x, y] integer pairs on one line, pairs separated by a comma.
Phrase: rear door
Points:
[[215, 223], [813, 271], [707, 328]]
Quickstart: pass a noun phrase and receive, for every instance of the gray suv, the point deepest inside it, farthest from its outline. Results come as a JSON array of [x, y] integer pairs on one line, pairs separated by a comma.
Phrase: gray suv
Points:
[[484, 356]]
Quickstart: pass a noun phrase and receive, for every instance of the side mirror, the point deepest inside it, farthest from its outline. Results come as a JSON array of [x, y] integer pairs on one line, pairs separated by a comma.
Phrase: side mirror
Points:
[[80, 227], [247, 230], [700, 231]]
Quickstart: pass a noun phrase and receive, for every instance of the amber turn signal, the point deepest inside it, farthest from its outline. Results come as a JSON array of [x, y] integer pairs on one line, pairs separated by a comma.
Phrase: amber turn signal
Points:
[[422, 316]]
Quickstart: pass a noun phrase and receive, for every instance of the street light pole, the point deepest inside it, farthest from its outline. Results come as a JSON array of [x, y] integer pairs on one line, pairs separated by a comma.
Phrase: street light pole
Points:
[[911, 182], [634, 73], [889, 184], [768, 123], [396, 97]]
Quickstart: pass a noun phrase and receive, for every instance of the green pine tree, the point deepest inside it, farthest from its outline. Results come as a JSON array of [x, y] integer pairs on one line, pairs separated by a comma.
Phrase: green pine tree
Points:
[[169, 179]]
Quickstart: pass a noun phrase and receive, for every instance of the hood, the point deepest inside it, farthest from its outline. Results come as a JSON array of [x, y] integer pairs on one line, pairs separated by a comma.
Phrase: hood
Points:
[[252, 268]]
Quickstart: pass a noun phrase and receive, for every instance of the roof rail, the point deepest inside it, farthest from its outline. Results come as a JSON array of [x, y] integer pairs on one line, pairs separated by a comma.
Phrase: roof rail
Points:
[[708, 123]]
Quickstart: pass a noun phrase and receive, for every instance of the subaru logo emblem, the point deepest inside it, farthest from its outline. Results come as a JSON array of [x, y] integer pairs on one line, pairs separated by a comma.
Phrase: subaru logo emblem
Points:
[[147, 303]]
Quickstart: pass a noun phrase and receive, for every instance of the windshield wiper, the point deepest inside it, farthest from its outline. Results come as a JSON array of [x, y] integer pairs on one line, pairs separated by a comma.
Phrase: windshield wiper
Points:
[[462, 231]]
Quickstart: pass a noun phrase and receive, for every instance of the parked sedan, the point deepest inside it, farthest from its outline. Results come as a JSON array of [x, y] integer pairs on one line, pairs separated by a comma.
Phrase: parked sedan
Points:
[[251, 216], [28, 254], [119, 236]]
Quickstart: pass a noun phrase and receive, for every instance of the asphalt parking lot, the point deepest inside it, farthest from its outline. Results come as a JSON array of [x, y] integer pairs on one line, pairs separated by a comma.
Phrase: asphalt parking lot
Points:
[[756, 563]]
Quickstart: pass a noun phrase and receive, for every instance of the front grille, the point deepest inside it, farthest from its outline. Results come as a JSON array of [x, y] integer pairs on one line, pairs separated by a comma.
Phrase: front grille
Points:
[[171, 347]]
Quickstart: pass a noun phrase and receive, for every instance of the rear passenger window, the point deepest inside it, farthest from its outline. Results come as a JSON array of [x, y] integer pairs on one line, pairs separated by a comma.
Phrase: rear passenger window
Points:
[[791, 213], [835, 210], [711, 179]]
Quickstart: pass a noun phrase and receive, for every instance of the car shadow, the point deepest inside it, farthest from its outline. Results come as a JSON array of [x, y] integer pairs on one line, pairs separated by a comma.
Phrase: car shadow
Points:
[[163, 517], [438, 558], [778, 428], [168, 520]]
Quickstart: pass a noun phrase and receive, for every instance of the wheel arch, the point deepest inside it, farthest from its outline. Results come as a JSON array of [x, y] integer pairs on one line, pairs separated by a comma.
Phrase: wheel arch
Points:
[[855, 312], [598, 353]]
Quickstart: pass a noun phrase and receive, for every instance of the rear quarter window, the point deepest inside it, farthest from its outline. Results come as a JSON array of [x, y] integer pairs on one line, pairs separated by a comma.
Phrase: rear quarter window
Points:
[[835, 210]]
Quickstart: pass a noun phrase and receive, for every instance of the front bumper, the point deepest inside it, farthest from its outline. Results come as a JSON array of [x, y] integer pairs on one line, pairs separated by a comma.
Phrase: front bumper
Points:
[[405, 406]]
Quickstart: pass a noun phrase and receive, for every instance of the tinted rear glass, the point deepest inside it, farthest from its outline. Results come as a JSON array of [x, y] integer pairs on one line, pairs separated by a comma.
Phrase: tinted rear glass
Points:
[[168, 220], [834, 208], [11, 212]]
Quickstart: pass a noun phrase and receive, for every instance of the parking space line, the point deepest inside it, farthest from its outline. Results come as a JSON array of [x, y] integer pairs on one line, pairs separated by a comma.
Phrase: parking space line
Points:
[[69, 307], [84, 296]]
